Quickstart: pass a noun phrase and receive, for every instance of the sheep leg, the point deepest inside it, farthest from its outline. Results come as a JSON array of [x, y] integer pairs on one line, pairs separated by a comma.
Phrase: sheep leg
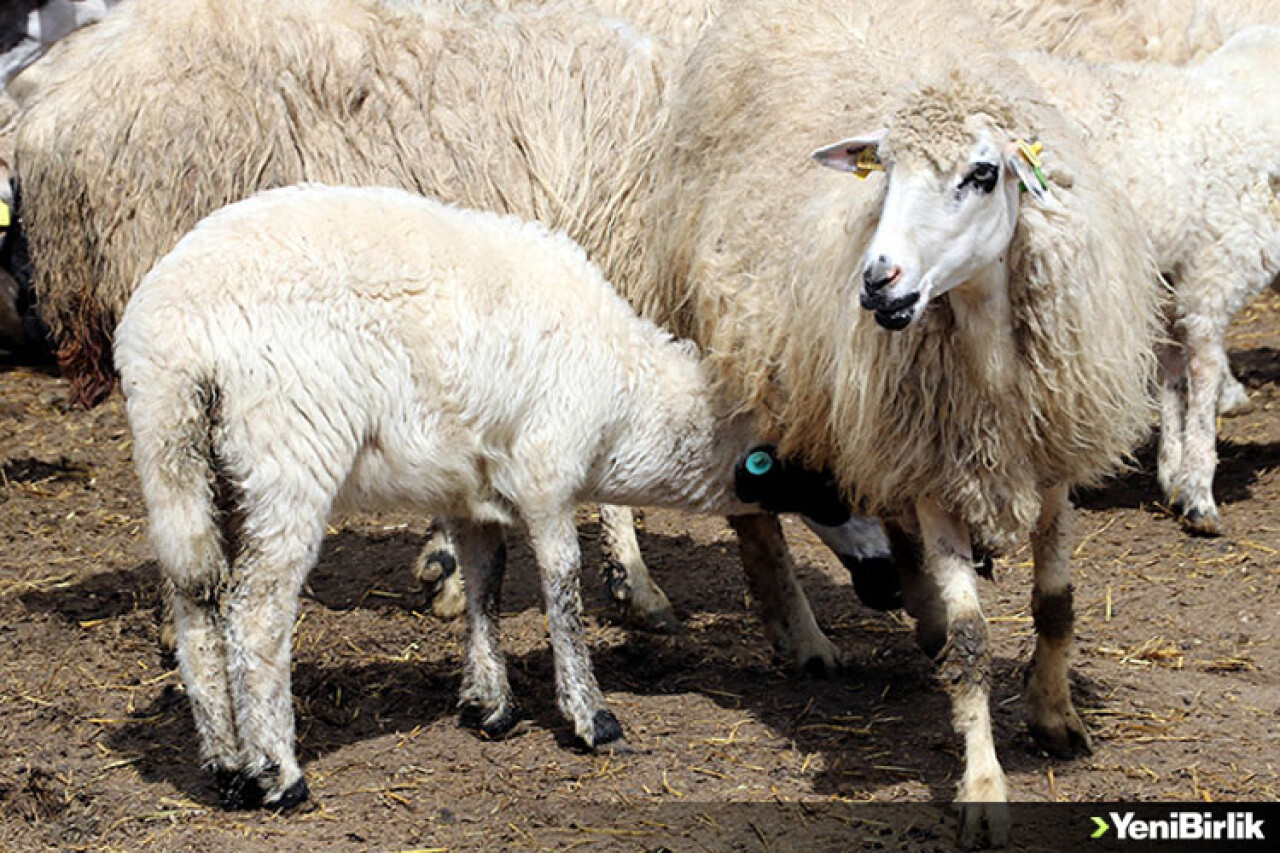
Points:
[[436, 568], [261, 608], [1054, 723], [788, 620], [202, 660], [1173, 406], [486, 700], [626, 577], [555, 544], [1206, 363], [964, 667], [1233, 397], [921, 596]]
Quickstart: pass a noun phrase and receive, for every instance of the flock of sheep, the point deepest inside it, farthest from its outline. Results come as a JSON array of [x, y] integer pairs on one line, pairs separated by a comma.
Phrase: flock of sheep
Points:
[[1035, 223]]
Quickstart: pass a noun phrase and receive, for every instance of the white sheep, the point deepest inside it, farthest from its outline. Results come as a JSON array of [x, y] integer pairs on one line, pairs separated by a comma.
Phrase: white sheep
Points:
[[1197, 149], [1175, 31], [278, 363], [550, 114], [991, 370]]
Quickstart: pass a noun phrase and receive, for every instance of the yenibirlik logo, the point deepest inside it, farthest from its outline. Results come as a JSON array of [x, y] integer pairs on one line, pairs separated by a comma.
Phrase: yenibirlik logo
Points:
[[1182, 826]]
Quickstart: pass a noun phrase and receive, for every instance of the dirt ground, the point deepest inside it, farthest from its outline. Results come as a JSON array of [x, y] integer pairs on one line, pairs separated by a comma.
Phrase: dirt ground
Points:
[[1177, 673]]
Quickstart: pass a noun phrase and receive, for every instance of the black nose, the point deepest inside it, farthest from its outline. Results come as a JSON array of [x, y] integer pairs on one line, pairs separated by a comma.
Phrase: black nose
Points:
[[880, 273]]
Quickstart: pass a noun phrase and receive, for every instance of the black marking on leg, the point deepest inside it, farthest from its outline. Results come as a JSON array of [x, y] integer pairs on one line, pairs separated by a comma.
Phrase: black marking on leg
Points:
[[237, 791], [293, 796], [965, 661], [1053, 614], [615, 580], [875, 581], [605, 728]]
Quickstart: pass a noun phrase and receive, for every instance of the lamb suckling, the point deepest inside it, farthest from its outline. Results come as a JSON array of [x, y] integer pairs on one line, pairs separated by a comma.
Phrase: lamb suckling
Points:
[[990, 371], [1197, 148], [278, 363]]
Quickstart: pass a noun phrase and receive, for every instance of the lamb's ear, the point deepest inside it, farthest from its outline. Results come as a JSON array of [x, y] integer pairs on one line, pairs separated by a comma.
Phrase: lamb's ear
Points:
[[857, 154], [1023, 159]]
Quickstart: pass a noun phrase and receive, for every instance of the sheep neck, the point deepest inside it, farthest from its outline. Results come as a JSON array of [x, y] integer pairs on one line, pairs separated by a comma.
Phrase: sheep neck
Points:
[[676, 445], [984, 324]]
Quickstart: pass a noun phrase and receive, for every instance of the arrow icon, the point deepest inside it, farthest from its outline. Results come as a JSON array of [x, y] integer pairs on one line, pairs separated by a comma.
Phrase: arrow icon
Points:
[[1102, 828]]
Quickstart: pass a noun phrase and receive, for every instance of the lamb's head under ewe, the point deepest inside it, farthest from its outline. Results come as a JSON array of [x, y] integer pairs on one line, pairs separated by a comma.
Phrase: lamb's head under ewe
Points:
[[955, 183]]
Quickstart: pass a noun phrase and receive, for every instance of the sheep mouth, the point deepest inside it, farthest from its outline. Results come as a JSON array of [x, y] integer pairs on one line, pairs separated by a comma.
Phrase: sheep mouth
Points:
[[893, 313]]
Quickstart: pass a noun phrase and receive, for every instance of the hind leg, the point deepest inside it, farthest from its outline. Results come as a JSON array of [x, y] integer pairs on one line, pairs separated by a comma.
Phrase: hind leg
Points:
[[485, 700], [788, 620], [261, 607], [626, 578], [202, 661]]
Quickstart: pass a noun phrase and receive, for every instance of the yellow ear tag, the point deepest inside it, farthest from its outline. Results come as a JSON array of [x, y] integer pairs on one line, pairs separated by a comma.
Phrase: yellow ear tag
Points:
[[867, 162], [5, 219], [1030, 152]]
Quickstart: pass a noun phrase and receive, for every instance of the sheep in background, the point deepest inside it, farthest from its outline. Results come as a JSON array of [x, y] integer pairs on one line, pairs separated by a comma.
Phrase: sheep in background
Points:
[[279, 362], [1174, 31], [552, 116], [28, 28], [991, 371], [1201, 145]]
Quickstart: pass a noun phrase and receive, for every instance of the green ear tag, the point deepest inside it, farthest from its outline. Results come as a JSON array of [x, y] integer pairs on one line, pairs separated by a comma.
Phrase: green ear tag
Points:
[[759, 463]]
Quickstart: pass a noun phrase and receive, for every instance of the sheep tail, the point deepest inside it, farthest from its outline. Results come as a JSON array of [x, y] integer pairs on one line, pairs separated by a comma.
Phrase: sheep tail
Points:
[[193, 500]]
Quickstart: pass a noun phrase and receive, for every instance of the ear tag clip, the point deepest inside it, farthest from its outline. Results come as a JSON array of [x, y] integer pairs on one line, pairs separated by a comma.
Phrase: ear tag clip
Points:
[[1030, 152], [5, 218], [866, 163]]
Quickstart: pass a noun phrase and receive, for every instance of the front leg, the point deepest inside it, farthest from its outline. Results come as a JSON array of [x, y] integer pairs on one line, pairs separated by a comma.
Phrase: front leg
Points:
[[964, 667], [555, 545], [771, 577], [1054, 723]]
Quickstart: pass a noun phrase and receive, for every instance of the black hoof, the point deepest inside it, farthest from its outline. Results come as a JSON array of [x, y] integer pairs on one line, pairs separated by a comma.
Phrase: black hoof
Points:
[[473, 716], [817, 667], [875, 581], [605, 729], [294, 796], [237, 791]]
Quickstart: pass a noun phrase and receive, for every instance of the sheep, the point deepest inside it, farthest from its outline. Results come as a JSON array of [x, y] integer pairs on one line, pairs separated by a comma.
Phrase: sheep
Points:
[[551, 115], [1200, 145], [279, 363], [1174, 31], [991, 370], [28, 28]]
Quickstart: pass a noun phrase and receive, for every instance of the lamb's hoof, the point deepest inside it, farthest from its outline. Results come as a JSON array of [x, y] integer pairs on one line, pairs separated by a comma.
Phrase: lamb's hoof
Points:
[[1065, 738], [293, 796], [1234, 400], [1198, 522], [646, 607], [875, 581], [501, 726], [237, 790], [983, 825], [437, 571], [606, 733]]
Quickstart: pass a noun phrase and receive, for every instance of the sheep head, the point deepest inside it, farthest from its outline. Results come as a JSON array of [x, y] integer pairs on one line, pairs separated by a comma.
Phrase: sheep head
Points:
[[950, 205]]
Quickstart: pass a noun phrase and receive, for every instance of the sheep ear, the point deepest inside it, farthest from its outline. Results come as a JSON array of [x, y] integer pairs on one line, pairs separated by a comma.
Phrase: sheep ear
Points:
[[857, 154], [1022, 156]]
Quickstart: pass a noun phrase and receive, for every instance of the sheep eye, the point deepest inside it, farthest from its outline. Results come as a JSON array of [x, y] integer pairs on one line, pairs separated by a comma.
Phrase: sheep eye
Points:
[[983, 176]]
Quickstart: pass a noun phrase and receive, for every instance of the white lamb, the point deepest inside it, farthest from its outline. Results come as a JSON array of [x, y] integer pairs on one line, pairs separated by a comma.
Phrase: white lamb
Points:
[[1198, 149], [279, 362]]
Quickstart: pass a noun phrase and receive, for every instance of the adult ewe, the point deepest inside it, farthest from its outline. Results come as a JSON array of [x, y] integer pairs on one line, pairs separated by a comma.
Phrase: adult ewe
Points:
[[1201, 145], [1175, 31], [278, 362], [162, 113], [992, 370]]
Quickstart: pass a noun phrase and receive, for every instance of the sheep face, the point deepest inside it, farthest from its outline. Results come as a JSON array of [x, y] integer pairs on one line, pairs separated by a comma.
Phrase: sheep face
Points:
[[942, 223]]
